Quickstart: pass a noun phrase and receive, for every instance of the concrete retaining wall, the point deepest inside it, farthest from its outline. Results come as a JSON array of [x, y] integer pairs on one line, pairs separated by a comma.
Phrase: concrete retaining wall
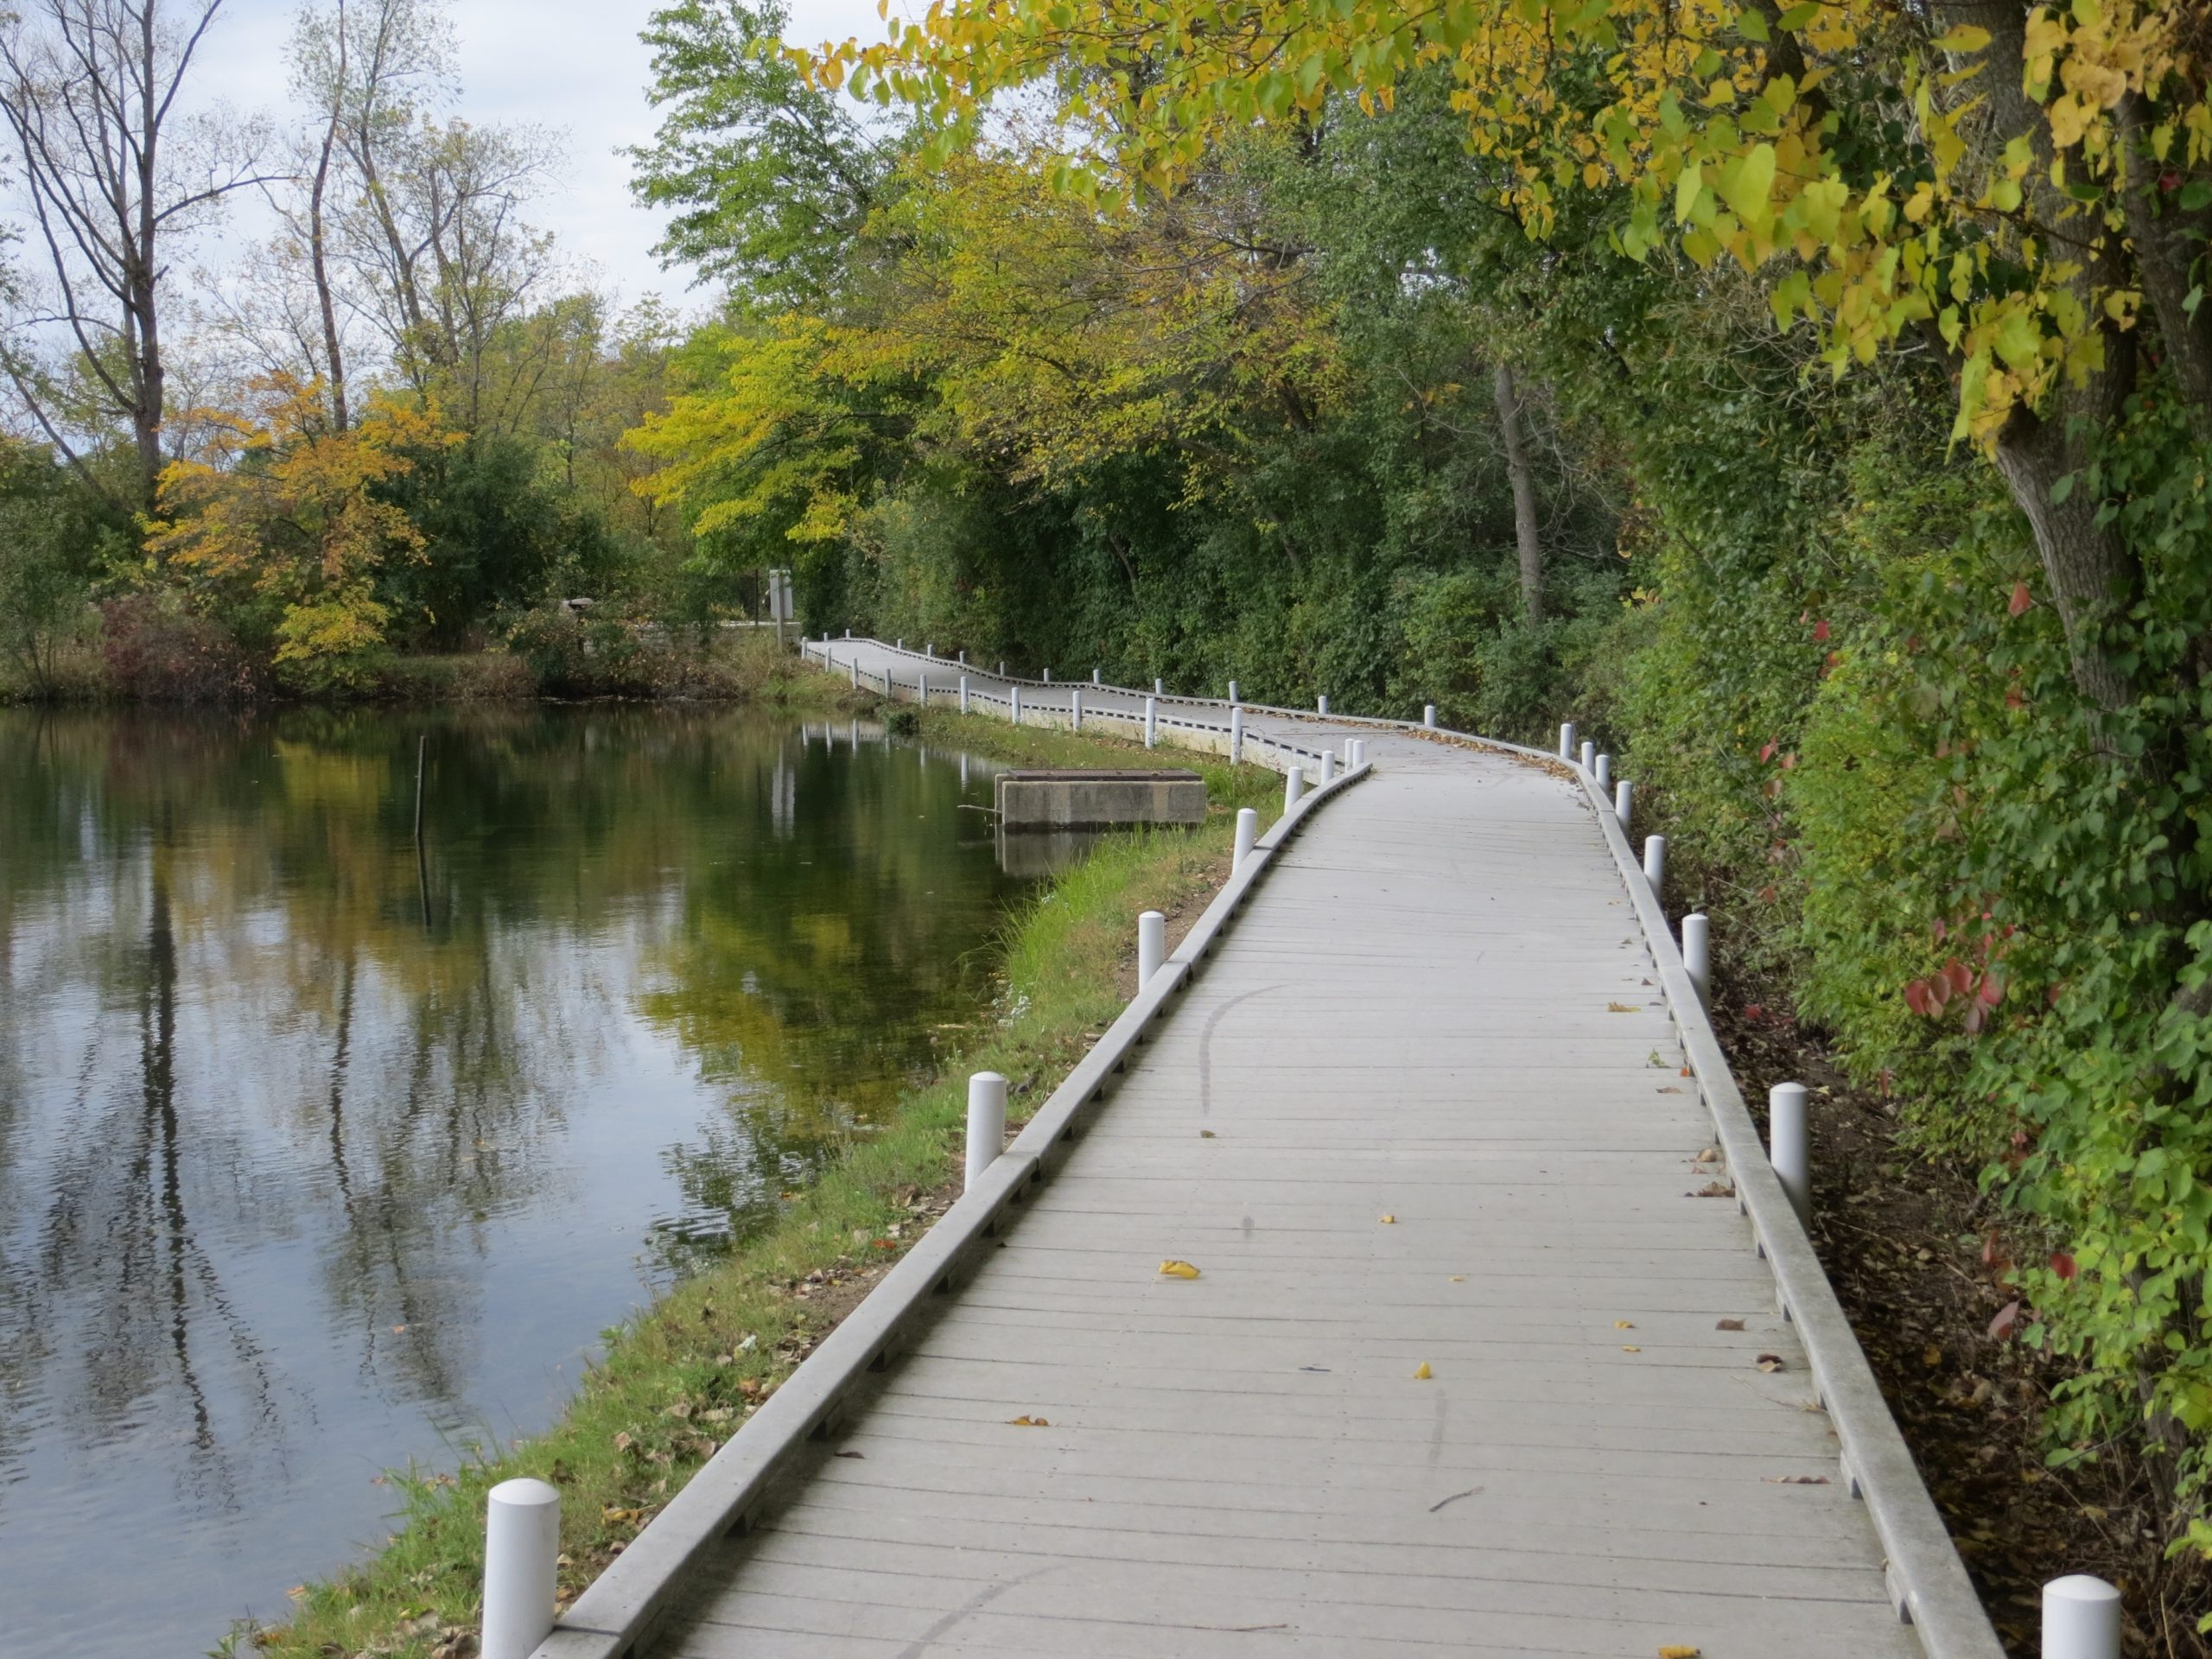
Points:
[[1098, 800]]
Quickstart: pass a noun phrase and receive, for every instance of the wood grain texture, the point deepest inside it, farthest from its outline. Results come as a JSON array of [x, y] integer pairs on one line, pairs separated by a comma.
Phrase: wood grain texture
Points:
[[1416, 1018]]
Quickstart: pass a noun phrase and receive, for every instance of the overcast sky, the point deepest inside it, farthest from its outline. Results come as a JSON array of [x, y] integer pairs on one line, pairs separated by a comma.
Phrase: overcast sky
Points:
[[575, 65]]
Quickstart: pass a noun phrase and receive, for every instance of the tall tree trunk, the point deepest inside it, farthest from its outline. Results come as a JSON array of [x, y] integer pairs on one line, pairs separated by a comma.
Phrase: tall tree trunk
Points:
[[144, 272], [87, 89], [333, 349], [2087, 566], [1524, 496]]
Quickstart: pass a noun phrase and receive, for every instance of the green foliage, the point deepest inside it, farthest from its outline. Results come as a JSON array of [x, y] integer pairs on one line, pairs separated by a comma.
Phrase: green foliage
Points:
[[496, 533], [54, 538], [573, 654], [770, 177]]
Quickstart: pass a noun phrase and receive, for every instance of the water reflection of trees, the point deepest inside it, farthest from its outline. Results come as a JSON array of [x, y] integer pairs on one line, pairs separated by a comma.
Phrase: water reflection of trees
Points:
[[240, 1015]]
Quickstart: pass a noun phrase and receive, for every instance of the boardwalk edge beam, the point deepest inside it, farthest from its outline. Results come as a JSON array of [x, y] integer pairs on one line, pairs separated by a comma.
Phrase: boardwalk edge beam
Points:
[[615, 1617]]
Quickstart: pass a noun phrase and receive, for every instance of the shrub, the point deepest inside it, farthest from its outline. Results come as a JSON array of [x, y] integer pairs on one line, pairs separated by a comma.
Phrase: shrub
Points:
[[157, 650]]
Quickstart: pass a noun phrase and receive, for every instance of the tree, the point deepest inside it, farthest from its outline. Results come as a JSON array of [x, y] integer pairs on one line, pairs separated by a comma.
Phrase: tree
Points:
[[361, 68], [2018, 184], [772, 177], [52, 537], [1523, 477], [286, 523], [88, 100]]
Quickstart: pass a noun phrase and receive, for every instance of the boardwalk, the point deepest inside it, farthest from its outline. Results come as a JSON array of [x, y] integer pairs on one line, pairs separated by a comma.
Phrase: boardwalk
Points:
[[1425, 1107]]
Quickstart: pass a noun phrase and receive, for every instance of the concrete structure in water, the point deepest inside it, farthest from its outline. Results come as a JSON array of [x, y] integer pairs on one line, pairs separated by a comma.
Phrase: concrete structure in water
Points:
[[1098, 800]]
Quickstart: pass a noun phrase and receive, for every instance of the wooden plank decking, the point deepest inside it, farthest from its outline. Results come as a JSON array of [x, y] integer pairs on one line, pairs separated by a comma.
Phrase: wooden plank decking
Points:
[[1425, 1107]]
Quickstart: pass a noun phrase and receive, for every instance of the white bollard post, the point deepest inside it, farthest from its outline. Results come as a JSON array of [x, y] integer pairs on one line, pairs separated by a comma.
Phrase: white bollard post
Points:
[[922, 689], [1151, 722], [1624, 802], [1002, 668], [1655, 866], [964, 694], [1428, 716], [929, 648], [1322, 704], [1328, 765], [1159, 688], [1014, 711], [1048, 676], [1348, 754], [1567, 741], [1247, 831], [1152, 947], [849, 634], [1094, 680], [1294, 786], [1589, 755], [857, 673], [1236, 736], [985, 1124], [1232, 690], [1697, 954], [1359, 752], [1074, 711], [1789, 1145], [1604, 773], [522, 1548], [2081, 1618], [963, 655], [900, 644]]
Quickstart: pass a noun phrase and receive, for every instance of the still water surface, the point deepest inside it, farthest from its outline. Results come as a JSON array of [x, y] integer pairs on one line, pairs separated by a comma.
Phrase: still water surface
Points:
[[316, 1158]]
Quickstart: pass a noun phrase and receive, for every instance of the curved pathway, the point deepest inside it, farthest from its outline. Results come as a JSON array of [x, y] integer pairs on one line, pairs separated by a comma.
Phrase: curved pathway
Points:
[[1480, 1359]]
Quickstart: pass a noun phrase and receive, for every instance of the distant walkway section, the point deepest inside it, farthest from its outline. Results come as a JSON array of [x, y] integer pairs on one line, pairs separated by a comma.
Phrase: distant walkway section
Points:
[[1480, 1358]]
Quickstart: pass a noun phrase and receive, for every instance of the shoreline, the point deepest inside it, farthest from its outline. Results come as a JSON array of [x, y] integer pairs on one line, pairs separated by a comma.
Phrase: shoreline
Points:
[[683, 1374]]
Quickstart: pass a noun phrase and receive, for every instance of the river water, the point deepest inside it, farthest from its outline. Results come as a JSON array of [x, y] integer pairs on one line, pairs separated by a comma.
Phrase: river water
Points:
[[317, 1157]]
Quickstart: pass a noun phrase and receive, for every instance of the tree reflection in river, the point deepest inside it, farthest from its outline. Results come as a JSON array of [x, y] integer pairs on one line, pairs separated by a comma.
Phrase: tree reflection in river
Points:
[[315, 1155]]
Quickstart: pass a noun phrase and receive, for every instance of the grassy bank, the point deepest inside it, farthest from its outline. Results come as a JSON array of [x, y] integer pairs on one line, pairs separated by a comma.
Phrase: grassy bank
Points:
[[682, 1377]]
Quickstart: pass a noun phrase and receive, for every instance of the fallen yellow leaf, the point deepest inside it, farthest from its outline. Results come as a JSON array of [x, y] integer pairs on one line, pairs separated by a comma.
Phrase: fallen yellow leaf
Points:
[[1620, 1007], [1178, 1270], [1026, 1421], [1458, 1278], [1629, 1348], [1389, 1221], [1421, 1373], [1623, 1324], [1679, 1650]]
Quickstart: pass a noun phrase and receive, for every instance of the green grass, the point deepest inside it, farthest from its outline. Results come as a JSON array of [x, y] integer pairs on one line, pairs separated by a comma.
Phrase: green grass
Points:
[[684, 1374]]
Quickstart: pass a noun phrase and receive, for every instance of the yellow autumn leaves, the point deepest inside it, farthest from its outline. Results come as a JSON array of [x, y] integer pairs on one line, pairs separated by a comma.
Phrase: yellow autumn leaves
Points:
[[1718, 128], [300, 524]]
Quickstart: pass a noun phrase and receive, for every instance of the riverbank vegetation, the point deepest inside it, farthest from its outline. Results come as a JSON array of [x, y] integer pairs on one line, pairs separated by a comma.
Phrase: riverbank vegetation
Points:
[[682, 1377], [1812, 402], [387, 424]]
